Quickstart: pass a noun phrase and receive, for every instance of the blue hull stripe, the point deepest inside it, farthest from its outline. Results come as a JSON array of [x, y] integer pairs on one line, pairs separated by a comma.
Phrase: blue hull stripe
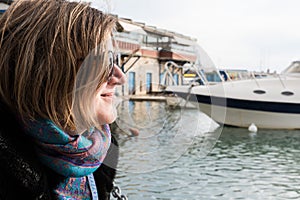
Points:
[[291, 108]]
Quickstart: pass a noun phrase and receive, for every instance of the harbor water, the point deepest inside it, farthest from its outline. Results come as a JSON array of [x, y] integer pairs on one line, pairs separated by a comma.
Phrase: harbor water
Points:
[[183, 154]]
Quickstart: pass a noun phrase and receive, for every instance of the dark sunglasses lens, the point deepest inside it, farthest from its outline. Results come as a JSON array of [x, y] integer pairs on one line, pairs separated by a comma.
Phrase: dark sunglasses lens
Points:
[[111, 65], [111, 72]]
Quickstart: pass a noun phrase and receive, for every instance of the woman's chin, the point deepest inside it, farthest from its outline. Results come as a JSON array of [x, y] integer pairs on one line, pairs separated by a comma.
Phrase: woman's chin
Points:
[[111, 120], [108, 117]]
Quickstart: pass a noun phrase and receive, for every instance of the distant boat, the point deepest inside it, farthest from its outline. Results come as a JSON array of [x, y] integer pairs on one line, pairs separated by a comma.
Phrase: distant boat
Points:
[[4, 4], [272, 102]]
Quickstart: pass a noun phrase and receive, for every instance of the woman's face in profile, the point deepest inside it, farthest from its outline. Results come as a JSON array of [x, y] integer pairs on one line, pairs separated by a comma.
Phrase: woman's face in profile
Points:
[[104, 106]]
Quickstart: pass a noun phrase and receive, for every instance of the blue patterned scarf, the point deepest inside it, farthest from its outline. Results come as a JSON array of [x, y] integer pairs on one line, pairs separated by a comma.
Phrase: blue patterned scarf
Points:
[[70, 156], [73, 156]]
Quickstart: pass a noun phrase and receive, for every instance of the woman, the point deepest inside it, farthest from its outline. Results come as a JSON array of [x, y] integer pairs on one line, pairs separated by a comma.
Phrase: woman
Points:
[[57, 84]]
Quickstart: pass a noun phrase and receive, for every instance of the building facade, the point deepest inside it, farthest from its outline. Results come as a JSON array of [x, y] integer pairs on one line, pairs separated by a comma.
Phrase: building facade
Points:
[[151, 57]]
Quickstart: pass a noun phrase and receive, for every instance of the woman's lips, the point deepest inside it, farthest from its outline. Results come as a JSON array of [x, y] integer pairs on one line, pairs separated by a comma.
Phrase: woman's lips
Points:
[[109, 94]]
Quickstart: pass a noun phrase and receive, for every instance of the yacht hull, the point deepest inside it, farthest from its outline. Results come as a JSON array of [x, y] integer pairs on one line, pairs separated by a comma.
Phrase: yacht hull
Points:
[[242, 117], [236, 103]]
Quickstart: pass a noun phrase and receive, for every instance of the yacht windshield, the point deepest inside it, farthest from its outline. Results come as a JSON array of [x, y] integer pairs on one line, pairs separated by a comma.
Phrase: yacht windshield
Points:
[[293, 68]]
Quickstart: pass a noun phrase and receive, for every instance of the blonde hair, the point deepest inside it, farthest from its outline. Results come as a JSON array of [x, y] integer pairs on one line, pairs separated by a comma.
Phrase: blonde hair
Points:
[[43, 43]]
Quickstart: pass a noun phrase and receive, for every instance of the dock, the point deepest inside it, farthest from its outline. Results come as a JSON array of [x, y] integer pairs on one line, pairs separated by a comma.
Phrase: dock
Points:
[[147, 98]]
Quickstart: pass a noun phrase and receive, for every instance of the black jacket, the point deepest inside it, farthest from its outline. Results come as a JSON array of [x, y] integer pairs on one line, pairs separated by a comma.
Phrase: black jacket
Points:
[[23, 176]]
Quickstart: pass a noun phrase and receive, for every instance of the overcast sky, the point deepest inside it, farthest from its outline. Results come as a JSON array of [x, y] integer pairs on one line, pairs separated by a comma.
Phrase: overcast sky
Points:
[[244, 34]]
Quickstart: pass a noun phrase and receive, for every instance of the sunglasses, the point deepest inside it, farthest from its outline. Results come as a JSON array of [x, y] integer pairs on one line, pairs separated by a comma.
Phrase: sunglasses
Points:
[[112, 59]]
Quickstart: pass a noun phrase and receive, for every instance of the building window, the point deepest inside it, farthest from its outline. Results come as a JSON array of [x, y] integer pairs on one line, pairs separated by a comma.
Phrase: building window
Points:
[[149, 82], [131, 83]]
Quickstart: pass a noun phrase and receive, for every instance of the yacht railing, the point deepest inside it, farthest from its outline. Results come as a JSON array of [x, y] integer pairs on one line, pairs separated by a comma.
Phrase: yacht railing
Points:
[[200, 74]]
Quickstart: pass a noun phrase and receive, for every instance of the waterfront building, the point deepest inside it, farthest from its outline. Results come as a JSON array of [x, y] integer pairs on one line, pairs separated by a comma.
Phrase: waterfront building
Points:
[[151, 57]]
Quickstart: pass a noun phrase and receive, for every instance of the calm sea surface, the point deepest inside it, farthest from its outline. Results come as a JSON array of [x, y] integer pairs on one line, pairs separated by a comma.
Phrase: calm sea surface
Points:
[[182, 154]]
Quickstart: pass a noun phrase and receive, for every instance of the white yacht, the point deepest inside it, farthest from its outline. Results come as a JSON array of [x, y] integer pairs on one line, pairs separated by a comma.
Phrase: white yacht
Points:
[[271, 102]]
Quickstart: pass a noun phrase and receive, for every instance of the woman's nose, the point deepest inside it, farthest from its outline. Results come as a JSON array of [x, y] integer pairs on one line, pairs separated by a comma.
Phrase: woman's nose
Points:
[[118, 77]]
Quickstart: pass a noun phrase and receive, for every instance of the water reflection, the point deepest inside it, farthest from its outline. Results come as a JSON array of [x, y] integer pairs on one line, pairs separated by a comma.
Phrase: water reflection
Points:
[[241, 165], [164, 134]]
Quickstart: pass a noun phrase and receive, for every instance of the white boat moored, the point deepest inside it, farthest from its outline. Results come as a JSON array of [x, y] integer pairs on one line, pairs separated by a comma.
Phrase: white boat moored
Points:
[[269, 103]]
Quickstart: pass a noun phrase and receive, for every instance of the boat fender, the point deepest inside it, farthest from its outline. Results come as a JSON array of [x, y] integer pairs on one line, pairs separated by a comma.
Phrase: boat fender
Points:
[[252, 128]]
